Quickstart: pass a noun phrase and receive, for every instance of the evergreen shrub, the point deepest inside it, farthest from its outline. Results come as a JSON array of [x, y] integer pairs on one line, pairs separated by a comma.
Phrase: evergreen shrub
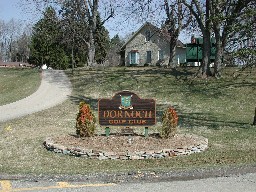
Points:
[[85, 121], [169, 123]]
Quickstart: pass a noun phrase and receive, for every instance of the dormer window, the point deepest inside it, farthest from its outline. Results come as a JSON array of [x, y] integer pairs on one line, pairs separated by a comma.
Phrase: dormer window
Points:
[[148, 35]]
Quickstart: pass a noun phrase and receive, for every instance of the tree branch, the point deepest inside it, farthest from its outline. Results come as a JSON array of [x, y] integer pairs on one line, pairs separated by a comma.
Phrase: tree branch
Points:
[[112, 13]]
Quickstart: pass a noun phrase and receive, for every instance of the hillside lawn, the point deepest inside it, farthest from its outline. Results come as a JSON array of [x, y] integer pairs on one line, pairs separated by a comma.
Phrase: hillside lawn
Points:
[[17, 83], [221, 110]]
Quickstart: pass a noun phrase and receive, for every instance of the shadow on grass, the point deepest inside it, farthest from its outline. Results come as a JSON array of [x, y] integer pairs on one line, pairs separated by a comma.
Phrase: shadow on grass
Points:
[[157, 82], [218, 88], [191, 120], [186, 120], [182, 73], [161, 83], [79, 98], [161, 108], [132, 75]]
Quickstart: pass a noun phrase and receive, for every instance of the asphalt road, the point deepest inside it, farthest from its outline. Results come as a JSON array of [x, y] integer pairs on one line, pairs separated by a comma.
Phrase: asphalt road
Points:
[[54, 89], [234, 183]]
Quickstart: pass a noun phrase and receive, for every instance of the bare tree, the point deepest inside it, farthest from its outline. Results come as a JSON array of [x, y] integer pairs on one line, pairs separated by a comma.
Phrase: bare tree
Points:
[[1, 39], [201, 13], [177, 20], [89, 11], [9, 33], [226, 15], [220, 17]]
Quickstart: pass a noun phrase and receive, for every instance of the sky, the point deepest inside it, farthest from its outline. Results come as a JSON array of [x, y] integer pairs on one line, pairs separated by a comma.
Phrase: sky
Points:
[[17, 10], [5, 7], [13, 9]]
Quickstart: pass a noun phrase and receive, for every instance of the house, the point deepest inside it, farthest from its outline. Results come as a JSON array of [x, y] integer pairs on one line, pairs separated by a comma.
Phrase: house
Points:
[[14, 64], [148, 46]]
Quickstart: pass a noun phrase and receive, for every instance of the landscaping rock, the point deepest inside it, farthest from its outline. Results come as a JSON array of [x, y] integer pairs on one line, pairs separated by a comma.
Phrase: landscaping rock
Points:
[[141, 148]]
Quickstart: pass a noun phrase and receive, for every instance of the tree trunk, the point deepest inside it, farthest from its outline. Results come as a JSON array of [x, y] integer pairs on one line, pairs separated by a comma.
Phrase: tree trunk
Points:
[[72, 56], [91, 49], [206, 44], [254, 121], [218, 54], [216, 11], [91, 56], [206, 49], [92, 30], [173, 45]]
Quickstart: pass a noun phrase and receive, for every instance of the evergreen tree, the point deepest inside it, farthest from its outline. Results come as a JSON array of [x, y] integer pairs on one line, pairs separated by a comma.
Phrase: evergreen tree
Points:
[[46, 47], [102, 41], [113, 55], [76, 30], [116, 42], [75, 33]]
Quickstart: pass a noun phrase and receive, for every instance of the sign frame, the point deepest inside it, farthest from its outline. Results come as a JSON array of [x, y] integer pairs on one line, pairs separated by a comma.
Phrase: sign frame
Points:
[[126, 108]]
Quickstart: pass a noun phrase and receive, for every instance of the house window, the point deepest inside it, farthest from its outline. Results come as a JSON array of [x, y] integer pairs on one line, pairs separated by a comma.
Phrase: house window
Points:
[[148, 35], [134, 57], [148, 59], [160, 55]]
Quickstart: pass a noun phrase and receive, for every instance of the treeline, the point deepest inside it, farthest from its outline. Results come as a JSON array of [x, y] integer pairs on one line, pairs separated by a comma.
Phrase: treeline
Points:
[[72, 33], [14, 41], [60, 40]]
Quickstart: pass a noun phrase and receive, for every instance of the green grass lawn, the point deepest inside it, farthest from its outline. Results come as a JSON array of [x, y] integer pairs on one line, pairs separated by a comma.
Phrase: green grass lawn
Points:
[[220, 110], [17, 83]]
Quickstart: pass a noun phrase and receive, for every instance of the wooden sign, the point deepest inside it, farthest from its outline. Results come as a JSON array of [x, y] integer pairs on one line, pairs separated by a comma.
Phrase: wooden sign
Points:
[[127, 109]]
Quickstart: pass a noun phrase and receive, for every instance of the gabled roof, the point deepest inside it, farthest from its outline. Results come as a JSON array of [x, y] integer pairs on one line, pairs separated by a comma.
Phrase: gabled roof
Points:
[[180, 44], [156, 30], [138, 31]]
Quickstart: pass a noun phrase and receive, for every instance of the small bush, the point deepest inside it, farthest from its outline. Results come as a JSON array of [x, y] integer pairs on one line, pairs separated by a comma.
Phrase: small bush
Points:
[[85, 121], [169, 123]]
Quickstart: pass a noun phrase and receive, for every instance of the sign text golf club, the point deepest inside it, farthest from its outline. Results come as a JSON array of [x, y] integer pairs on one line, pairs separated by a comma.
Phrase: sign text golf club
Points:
[[127, 109]]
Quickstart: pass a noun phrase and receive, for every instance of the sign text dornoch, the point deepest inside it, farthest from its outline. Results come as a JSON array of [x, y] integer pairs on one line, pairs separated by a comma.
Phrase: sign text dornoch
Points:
[[127, 109]]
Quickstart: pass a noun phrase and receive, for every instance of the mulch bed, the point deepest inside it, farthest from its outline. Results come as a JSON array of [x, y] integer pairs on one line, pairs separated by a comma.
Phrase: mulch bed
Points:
[[119, 143]]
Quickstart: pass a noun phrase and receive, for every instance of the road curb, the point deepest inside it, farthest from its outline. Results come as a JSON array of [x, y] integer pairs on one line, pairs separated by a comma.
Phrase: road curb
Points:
[[140, 176]]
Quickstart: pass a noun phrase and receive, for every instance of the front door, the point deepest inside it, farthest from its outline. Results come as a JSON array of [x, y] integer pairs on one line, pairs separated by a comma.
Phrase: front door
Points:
[[148, 57], [134, 58]]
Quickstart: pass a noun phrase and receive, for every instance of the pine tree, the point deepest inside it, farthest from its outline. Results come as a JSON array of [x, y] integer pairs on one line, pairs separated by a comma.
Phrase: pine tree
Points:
[[113, 55], [46, 47], [102, 41]]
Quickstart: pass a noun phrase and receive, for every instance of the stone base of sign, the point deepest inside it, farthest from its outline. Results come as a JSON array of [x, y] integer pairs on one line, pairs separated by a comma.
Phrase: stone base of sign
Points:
[[200, 145]]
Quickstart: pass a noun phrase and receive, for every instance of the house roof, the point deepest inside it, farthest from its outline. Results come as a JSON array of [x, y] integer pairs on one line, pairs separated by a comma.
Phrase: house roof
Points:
[[156, 29]]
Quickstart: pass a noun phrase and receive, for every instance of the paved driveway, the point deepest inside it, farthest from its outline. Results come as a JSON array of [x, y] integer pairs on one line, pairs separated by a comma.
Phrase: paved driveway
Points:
[[54, 89]]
